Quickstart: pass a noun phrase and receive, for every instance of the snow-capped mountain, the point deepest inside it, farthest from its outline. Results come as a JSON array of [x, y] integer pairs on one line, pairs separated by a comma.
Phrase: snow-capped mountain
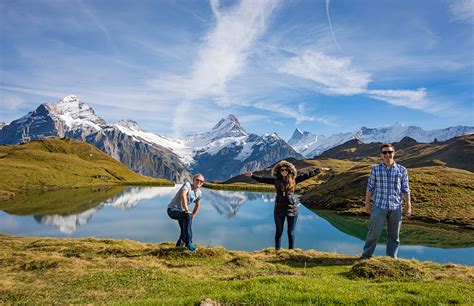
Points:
[[69, 117], [177, 146], [311, 145], [224, 151], [228, 150], [2, 124]]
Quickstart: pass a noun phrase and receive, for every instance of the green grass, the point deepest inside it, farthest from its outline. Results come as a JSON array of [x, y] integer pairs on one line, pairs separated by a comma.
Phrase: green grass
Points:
[[54, 163], [59, 271], [241, 187], [440, 195]]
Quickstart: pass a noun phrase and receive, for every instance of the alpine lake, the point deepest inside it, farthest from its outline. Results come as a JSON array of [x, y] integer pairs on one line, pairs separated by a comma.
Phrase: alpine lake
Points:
[[234, 220]]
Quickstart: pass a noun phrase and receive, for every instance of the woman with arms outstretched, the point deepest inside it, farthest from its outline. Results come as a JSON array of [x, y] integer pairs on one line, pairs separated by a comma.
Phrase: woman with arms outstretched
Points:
[[286, 206]]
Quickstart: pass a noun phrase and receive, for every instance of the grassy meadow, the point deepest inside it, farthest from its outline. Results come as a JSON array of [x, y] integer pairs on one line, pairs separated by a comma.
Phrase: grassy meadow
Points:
[[54, 163], [83, 271], [440, 195]]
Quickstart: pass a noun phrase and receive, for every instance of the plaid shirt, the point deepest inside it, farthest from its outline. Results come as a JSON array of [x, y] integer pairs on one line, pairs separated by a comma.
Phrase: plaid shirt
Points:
[[387, 185]]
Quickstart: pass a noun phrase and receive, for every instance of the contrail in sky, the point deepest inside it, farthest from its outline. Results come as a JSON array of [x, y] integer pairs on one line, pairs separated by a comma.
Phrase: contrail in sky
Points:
[[330, 24]]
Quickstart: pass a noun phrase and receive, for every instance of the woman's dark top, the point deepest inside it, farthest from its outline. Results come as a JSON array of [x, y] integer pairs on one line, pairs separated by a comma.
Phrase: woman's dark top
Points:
[[285, 203]]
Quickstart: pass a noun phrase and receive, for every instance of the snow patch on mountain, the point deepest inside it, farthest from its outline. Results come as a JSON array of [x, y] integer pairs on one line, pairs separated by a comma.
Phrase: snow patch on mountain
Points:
[[75, 114], [177, 146], [311, 145]]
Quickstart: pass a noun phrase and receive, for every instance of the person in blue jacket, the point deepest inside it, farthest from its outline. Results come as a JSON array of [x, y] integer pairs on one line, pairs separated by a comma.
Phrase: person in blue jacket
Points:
[[284, 179]]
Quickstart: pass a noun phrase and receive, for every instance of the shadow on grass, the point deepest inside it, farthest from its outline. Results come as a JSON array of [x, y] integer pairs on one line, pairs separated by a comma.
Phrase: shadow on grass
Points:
[[302, 261]]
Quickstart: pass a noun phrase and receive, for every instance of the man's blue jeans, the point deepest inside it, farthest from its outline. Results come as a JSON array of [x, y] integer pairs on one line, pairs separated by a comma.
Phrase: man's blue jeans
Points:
[[279, 222], [378, 217], [185, 224]]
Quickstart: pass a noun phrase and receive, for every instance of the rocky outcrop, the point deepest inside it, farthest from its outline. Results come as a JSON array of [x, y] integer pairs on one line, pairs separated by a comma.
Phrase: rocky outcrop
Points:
[[142, 157]]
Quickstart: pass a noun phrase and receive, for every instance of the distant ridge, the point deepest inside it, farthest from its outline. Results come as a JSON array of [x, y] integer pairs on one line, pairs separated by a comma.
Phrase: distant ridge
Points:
[[456, 153], [311, 145]]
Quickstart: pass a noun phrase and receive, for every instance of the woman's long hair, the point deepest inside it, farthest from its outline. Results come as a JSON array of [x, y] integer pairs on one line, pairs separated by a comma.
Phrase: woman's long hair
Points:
[[288, 183]]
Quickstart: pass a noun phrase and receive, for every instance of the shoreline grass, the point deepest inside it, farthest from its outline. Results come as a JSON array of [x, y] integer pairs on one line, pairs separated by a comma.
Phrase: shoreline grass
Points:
[[90, 270], [240, 187]]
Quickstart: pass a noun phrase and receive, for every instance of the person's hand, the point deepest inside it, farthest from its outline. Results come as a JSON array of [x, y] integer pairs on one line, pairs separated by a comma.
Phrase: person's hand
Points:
[[193, 216], [368, 208], [187, 212], [408, 213], [248, 174]]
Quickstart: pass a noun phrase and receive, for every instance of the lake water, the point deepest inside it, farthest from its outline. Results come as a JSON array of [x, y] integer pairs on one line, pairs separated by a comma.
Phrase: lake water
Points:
[[234, 220]]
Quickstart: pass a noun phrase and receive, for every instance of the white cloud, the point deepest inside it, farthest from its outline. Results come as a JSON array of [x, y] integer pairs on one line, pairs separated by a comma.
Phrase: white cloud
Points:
[[221, 57], [462, 10], [414, 99], [298, 113], [11, 102], [335, 75]]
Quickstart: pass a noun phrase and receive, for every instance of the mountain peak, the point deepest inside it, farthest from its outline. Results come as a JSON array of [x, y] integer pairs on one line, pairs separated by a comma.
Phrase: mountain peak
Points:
[[74, 112], [129, 124], [229, 120], [229, 126], [397, 125]]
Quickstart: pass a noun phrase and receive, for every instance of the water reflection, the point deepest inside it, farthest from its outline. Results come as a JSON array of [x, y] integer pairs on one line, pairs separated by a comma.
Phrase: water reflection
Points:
[[41, 204], [410, 234], [123, 200], [228, 203], [234, 220]]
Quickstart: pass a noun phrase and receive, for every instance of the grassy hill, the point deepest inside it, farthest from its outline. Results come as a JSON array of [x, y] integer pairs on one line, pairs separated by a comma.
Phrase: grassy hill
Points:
[[454, 153], [53, 163], [439, 194], [99, 271]]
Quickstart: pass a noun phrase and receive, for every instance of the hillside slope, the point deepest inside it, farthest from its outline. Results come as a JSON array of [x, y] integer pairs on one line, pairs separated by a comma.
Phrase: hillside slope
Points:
[[61, 163]]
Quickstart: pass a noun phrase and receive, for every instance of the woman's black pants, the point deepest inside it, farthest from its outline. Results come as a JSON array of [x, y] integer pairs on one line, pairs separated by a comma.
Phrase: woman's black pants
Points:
[[279, 222]]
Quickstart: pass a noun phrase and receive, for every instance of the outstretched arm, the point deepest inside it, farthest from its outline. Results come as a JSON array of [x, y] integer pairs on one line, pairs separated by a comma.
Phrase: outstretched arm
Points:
[[307, 175], [265, 180]]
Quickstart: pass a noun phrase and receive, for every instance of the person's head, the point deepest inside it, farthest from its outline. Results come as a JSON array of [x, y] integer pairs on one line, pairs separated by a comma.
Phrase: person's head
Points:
[[387, 151], [285, 171], [198, 180]]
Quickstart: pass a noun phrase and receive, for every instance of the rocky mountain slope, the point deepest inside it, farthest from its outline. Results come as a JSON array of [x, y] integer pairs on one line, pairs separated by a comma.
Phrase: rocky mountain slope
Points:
[[222, 152]]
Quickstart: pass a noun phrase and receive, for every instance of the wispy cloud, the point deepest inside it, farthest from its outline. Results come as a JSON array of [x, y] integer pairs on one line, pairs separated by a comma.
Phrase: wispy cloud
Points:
[[335, 75], [221, 57], [328, 2], [415, 99], [12, 102], [462, 10], [299, 114]]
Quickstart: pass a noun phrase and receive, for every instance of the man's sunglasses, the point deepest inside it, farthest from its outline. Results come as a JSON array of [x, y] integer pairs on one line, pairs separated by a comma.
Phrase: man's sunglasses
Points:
[[199, 181], [283, 169], [387, 152]]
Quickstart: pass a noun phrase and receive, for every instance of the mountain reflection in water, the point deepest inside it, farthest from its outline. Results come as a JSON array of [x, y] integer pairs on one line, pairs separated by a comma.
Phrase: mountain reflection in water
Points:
[[234, 220]]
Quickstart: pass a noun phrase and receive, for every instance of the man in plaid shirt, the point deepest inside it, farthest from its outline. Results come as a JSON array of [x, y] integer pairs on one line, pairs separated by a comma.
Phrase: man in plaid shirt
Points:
[[388, 183]]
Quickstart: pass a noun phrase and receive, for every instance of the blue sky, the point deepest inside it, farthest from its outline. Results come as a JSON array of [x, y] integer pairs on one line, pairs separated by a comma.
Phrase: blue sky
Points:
[[177, 67]]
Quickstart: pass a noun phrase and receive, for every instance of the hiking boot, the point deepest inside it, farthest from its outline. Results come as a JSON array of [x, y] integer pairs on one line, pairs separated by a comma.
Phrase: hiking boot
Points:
[[191, 247]]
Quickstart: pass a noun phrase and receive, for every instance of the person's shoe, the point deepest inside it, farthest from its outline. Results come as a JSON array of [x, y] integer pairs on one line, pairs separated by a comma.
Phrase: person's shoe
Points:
[[180, 243], [191, 247]]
